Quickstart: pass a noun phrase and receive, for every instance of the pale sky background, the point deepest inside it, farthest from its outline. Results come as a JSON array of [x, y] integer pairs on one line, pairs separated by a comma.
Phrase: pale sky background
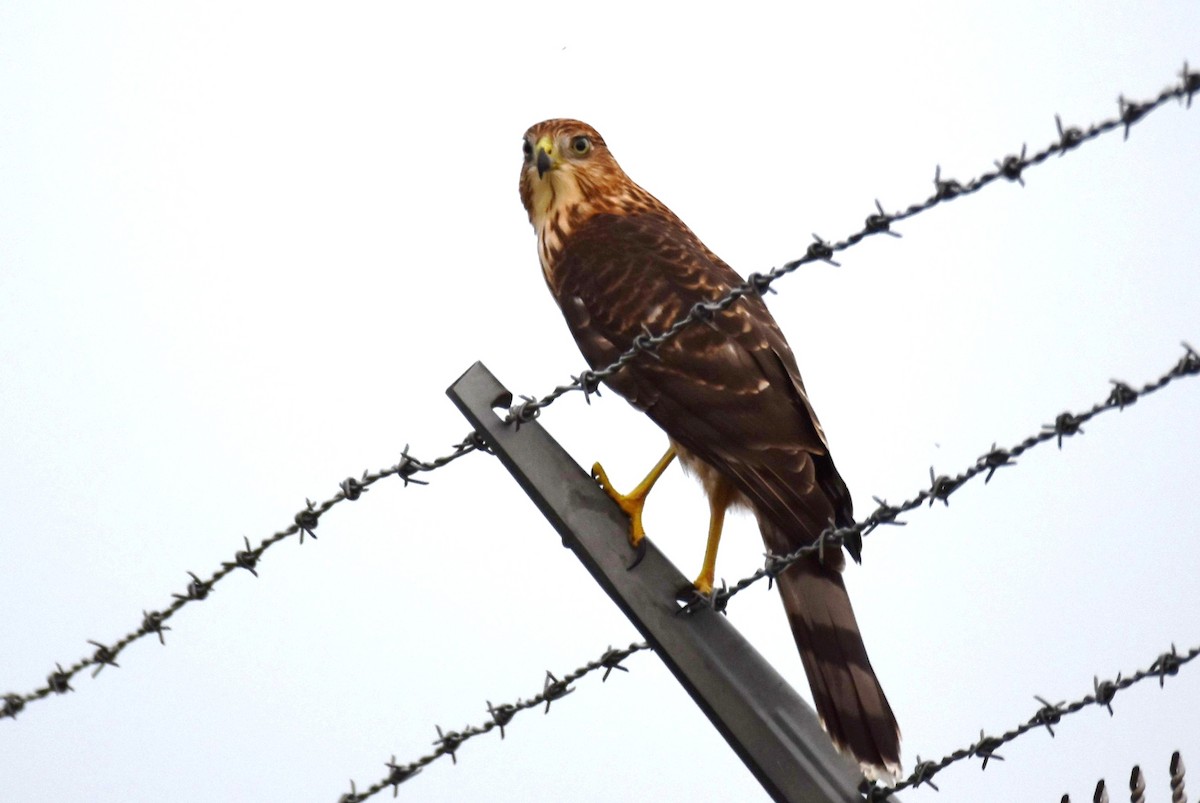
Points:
[[244, 248]]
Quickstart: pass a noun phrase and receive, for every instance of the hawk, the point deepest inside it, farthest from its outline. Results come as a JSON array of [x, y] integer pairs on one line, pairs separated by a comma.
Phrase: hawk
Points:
[[727, 393]]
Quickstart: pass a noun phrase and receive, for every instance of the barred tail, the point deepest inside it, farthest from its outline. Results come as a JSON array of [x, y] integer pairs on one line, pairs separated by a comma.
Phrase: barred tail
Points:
[[849, 699]]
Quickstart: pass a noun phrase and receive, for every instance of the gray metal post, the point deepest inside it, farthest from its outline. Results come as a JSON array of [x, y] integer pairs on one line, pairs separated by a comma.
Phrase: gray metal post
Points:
[[767, 724]]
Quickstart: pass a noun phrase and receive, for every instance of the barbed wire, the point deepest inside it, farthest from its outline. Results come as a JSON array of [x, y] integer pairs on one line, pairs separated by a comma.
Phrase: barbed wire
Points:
[[304, 523], [1050, 714], [1065, 425], [1011, 168], [448, 742], [941, 487]]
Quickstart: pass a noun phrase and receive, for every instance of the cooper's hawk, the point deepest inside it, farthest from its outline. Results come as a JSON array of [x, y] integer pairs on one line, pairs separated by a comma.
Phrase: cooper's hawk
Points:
[[726, 391]]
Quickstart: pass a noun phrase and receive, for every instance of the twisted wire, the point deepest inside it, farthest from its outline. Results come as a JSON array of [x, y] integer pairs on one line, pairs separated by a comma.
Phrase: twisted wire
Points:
[[304, 523], [449, 741], [306, 520], [1165, 665], [1010, 168], [941, 487]]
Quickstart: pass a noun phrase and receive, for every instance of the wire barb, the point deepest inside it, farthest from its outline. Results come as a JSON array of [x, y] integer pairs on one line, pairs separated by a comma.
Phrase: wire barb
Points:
[[1068, 138], [947, 189], [1105, 691], [1131, 113], [501, 714], [59, 681], [1167, 664], [307, 520], [398, 775], [245, 559], [152, 622], [197, 590], [1122, 395], [448, 743], [1066, 425], [996, 458], [13, 703], [1048, 715], [611, 660], [1189, 364], [880, 223], [352, 489], [986, 749], [941, 487], [924, 772], [1191, 83], [554, 689], [103, 657], [351, 796], [1012, 166]]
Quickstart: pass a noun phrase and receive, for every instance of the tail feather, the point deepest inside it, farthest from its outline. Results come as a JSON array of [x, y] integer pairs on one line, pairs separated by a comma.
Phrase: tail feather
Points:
[[847, 694]]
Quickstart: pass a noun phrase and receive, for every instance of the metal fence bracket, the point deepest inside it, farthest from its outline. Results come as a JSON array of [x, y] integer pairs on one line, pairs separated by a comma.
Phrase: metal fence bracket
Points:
[[767, 724]]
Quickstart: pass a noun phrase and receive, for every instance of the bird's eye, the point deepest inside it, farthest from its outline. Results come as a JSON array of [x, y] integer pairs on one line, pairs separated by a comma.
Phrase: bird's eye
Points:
[[527, 147], [581, 145]]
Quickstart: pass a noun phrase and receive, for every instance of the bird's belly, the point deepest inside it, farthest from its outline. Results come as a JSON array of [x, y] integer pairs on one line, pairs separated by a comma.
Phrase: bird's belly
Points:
[[716, 485]]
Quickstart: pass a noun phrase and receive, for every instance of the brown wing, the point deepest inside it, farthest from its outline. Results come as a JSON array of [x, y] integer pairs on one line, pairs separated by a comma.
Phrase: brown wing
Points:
[[728, 390]]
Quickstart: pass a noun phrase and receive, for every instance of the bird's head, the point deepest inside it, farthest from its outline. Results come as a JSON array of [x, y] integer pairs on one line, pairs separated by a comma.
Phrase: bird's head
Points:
[[568, 170]]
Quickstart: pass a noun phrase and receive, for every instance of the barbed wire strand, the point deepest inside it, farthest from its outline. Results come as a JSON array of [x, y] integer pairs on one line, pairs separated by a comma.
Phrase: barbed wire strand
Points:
[[304, 523], [1066, 425], [448, 742], [941, 487], [1011, 168], [1047, 716]]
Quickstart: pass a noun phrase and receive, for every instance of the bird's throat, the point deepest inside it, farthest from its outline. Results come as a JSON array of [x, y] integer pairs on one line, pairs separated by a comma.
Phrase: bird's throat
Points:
[[557, 206]]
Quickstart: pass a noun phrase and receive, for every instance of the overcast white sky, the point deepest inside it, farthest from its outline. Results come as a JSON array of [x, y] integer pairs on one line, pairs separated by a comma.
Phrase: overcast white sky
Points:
[[244, 248]]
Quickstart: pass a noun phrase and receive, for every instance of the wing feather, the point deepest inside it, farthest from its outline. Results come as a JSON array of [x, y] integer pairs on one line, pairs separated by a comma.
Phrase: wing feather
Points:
[[728, 389]]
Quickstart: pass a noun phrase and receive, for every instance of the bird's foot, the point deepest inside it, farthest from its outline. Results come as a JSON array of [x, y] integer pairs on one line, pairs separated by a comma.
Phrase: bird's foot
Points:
[[702, 594], [631, 503], [693, 598]]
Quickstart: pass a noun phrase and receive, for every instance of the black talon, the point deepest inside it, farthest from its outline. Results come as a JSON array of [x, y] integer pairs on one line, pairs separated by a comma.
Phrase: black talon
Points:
[[692, 599], [639, 552]]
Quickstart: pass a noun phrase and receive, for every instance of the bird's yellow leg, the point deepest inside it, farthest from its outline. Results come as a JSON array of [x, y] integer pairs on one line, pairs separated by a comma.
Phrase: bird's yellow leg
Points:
[[716, 521], [633, 501]]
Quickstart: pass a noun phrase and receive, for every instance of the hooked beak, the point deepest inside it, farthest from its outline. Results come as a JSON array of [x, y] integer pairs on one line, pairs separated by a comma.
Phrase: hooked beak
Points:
[[545, 162]]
